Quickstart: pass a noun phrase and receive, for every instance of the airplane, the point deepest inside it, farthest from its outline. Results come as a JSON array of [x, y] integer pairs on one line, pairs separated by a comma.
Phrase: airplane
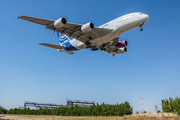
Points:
[[73, 37]]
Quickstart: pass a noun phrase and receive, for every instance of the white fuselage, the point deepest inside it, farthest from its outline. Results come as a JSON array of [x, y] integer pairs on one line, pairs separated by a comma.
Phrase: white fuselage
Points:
[[118, 26]]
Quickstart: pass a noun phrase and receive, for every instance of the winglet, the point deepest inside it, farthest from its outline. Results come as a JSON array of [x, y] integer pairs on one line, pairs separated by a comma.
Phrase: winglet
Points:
[[17, 17]]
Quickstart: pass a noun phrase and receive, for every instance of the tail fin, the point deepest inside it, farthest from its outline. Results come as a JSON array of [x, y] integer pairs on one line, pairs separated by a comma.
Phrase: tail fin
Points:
[[63, 38]]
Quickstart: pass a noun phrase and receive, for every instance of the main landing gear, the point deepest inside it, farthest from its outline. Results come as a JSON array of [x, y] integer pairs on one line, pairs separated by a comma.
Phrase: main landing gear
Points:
[[140, 26], [94, 48], [88, 45]]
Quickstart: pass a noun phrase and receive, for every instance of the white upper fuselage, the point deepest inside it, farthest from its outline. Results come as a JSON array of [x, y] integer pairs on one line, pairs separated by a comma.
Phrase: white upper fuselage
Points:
[[118, 26]]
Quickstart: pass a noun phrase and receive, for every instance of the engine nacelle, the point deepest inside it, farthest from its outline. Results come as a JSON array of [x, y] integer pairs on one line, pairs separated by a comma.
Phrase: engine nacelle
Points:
[[122, 44], [87, 27], [60, 22], [121, 50]]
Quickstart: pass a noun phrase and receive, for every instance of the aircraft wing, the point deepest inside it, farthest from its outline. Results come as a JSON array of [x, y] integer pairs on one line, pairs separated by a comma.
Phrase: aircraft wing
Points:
[[37, 20], [110, 47], [70, 29]]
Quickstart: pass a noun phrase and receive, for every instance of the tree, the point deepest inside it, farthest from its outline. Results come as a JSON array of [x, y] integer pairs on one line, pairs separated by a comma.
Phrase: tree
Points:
[[144, 112], [93, 110], [2, 110], [171, 105]]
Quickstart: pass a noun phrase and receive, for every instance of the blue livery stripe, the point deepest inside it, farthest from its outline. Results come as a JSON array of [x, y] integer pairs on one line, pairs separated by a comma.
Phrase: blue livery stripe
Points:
[[63, 38], [69, 47], [65, 41]]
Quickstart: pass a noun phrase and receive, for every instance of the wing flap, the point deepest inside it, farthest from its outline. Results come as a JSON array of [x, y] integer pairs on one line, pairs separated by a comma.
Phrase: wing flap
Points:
[[52, 45]]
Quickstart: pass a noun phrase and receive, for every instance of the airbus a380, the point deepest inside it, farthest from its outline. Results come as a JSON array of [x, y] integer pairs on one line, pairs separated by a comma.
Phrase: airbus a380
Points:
[[104, 37]]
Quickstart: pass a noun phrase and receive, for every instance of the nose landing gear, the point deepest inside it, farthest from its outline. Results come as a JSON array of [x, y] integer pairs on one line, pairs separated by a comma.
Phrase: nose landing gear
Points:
[[140, 29], [140, 26]]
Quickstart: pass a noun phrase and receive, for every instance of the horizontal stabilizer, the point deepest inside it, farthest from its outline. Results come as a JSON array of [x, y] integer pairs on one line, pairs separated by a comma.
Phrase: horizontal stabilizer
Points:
[[52, 45], [69, 52]]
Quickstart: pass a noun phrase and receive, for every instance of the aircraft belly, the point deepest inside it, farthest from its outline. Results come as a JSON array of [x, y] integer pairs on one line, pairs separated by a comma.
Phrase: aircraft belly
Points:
[[77, 44], [118, 30], [81, 46]]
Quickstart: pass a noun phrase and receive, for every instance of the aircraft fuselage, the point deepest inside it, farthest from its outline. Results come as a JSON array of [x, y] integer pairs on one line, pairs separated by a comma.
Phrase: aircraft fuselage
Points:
[[118, 26]]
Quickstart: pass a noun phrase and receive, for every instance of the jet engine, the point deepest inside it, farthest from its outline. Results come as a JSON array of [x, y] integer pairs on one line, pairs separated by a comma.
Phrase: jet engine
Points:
[[122, 44], [60, 22], [87, 27], [121, 50]]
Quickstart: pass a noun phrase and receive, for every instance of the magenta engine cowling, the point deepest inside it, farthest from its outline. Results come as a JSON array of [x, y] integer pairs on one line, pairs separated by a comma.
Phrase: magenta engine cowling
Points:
[[122, 44]]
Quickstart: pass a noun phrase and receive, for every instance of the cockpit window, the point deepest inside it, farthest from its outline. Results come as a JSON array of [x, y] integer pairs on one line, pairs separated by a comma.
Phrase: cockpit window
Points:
[[141, 13]]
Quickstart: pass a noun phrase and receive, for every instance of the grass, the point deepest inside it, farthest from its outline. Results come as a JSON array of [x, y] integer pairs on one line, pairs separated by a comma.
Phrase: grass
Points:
[[37, 117]]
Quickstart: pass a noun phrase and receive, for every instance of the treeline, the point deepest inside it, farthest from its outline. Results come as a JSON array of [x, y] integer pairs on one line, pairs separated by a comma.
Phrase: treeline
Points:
[[93, 110], [171, 105]]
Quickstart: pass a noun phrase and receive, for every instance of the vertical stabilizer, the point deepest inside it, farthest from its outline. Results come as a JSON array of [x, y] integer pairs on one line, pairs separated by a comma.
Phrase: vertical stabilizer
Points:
[[63, 38]]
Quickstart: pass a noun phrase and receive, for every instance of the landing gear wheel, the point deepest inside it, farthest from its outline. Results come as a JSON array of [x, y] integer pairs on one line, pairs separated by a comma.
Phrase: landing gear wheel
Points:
[[140, 26], [88, 43], [140, 29]]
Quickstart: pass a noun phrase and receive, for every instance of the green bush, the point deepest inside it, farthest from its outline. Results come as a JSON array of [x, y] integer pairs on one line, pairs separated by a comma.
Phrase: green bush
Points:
[[94, 110], [158, 111], [171, 105], [2, 110]]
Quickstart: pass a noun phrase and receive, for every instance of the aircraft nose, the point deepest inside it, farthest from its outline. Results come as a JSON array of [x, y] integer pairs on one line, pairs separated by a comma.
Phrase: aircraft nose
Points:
[[146, 17]]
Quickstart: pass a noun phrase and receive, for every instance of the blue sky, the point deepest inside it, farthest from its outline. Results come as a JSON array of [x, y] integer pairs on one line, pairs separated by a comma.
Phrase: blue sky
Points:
[[150, 68]]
